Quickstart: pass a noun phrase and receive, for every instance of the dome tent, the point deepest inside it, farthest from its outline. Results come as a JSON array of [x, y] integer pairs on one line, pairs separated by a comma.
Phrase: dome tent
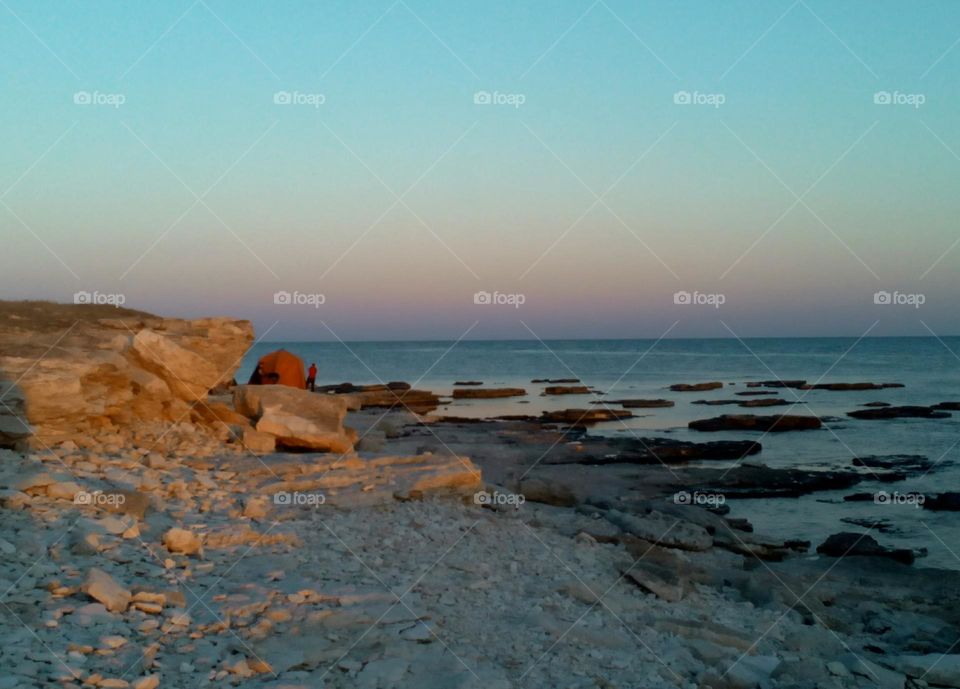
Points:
[[279, 368]]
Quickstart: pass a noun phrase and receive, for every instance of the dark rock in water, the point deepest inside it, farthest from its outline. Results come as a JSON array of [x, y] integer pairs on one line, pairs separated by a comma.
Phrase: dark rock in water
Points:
[[584, 416], [740, 524], [777, 384], [764, 482], [469, 382], [487, 393], [642, 404], [748, 422], [949, 406], [944, 502], [566, 390], [517, 417], [843, 387], [655, 451], [859, 497], [555, 380], [876, 404], [848, 543], [765, 402], [716, 403], [903, 465], [696, 387], [907, 412], [350, 387], [460, 419], [881, 525]]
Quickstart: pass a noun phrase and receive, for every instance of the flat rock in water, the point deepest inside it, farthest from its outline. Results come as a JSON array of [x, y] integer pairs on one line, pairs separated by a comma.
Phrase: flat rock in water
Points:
[[584, 416], [849, 543], [696, 387], [468, 382], [907, 412], [566, 390], [944, 502], [487, 393], [748, 422], [643, 404]]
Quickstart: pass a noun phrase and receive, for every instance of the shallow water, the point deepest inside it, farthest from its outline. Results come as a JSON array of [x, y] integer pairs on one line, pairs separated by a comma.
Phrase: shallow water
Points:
[[928, 367]]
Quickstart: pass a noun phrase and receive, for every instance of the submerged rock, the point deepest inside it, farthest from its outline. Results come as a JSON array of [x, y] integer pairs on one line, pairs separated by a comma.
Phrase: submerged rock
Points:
[[696, 387], [849, 543], [488, 393], [747, 422], [566, 390], [643, 404]]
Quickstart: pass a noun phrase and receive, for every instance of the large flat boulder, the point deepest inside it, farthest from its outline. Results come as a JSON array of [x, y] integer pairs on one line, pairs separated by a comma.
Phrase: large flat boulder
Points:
[[298, 419]]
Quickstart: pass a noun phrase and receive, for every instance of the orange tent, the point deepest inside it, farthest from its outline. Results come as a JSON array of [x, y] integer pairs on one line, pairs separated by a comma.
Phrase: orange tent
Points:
[[279, 368]]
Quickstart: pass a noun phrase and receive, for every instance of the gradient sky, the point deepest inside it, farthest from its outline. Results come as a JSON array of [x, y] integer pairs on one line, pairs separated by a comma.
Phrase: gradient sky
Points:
[[494, 197]]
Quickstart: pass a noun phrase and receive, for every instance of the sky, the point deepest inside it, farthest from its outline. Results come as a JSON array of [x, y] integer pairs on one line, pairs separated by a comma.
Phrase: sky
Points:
[[418, 169]]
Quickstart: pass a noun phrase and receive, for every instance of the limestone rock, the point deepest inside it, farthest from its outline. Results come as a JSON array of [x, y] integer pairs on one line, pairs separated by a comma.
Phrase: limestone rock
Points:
[[298, 419], [102, 587], [178, 540]]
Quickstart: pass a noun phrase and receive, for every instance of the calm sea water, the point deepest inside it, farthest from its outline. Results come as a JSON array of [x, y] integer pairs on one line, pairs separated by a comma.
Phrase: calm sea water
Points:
[[928, 367]]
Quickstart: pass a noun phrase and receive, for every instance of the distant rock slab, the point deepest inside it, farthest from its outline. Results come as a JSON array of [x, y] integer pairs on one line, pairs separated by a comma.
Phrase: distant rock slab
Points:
[[643, 404], [902, 465], [944, 502], [487, 393], [849, 543], [345, 388], [749, 422], [837, 387], [948, 406], [555, 380], [469, 382], [696, 387], [418, 401], [584, 416], [566, 390], [597, 451], [765, 402], [764, 482], [907, 412]]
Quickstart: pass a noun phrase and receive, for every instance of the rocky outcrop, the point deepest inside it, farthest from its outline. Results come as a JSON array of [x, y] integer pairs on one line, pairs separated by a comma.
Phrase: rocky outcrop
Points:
[[298, 419], [69, 370], [748, 422], [579, 417]]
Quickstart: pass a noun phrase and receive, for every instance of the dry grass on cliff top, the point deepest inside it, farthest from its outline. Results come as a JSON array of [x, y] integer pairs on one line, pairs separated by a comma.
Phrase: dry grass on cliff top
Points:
[[48, 316]]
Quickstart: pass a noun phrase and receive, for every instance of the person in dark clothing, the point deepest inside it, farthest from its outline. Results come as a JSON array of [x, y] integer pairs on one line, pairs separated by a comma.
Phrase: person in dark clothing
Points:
[[312, 378]]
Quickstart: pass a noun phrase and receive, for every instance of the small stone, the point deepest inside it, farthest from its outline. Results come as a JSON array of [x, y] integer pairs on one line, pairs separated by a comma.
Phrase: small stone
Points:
[[102, 587], [182, 541], [148, 682]]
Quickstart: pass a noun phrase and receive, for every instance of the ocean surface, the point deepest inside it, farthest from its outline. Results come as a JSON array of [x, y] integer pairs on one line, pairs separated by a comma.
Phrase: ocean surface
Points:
[[929, 368]]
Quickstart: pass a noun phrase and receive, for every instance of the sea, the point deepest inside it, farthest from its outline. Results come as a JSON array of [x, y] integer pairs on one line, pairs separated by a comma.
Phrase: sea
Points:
[[928, 367]]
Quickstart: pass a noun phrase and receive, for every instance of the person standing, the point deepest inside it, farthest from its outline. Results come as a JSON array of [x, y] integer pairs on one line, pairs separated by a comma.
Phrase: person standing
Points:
[[312, 378]]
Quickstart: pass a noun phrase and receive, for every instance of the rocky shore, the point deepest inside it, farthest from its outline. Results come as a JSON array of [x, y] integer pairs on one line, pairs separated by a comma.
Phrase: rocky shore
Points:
[[265, 537]]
